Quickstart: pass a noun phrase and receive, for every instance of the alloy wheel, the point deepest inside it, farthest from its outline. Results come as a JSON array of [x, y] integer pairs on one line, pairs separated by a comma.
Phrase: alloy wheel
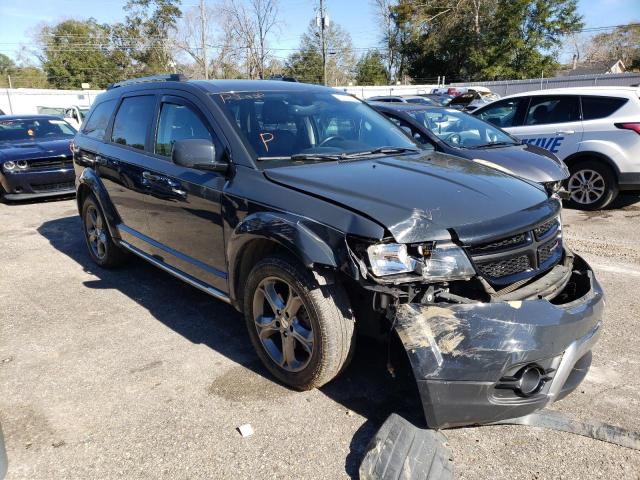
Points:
[[586, 186], [283, 324], [96, 235]]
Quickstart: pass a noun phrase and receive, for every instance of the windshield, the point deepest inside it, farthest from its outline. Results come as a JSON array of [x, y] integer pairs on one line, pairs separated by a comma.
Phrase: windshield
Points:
[[310, 126], [34, 129], [460, 129]]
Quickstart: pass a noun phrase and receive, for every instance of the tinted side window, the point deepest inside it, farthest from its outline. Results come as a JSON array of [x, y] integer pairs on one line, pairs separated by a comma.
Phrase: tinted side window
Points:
[[545, 110], [133, 120], [501, 114], [97, 123], [410, 130], [600, 107], [178, 122]]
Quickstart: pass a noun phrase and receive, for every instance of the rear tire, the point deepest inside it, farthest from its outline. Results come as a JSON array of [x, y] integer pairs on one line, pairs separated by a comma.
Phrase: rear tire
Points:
[[102, 249], [592, 185], [303, 333]]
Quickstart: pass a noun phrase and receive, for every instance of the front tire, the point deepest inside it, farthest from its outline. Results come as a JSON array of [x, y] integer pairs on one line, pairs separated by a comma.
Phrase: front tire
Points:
[[302, 332], [100, 244], [591, 186]]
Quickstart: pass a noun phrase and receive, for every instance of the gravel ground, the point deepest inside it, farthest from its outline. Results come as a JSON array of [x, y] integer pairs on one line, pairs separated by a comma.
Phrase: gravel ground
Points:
[[133, 374]]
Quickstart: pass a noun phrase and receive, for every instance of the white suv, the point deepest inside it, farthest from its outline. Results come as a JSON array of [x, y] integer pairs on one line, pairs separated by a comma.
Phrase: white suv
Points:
[[595, 130]]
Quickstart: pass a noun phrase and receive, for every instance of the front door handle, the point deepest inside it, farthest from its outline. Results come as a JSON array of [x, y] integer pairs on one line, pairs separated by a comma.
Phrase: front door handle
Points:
[[565, 132], [150, 176], [100, 160]]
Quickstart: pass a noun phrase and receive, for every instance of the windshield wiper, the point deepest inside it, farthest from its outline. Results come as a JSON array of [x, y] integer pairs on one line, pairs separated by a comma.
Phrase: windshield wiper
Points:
[[493, 144], [316, 156], [375, 151]]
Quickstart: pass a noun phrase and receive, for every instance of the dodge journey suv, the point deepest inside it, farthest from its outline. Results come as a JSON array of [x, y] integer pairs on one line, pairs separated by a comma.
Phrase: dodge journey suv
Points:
[[317, 217]]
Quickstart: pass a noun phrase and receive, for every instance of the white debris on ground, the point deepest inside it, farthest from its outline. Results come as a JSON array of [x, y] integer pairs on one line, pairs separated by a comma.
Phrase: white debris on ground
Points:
[[245, 430]]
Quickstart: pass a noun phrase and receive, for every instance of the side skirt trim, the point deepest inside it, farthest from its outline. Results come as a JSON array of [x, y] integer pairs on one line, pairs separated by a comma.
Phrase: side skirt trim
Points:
[[214, 292]]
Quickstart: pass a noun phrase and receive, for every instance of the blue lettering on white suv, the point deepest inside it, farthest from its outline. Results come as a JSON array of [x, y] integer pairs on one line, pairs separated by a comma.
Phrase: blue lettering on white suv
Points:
[[550, 143]]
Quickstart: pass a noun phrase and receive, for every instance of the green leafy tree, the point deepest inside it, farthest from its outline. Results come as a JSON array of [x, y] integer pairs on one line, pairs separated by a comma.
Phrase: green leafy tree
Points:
[[485, 39], [306, 63], [143, 39], [6, 64], [371, 70], [75, 52]]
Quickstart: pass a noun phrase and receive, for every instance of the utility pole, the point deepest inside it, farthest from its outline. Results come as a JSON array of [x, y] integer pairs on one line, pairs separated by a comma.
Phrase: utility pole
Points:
[[322, 24], [203, 38]]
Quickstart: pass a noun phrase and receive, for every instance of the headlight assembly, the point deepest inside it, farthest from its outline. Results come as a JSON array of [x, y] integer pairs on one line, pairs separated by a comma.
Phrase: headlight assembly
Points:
[[445, 261], [9, 165], [390, 259], [435, 262]]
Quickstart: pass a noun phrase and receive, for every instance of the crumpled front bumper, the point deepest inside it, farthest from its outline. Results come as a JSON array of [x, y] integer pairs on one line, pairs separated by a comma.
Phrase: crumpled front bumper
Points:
[[460, 354]]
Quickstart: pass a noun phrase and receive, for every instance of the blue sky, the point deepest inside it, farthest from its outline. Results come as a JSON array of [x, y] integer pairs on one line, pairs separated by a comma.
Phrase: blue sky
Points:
[[18, 18]]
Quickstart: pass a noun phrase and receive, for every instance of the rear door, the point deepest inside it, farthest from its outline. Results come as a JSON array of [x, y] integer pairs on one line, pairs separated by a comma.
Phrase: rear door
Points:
[[552, 122], [120, 164], [185, 204]]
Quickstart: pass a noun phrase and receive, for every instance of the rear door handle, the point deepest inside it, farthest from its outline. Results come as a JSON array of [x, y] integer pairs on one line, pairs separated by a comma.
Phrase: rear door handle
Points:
[[150, 176], [100, 160], [565, 132]]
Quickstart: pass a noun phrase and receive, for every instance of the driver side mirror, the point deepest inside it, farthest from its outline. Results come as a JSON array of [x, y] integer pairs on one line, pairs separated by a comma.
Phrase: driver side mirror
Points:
[[199, 154]]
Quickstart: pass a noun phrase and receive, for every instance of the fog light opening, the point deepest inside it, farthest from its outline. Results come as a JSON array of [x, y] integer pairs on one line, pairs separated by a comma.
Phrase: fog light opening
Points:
[[527, 381], [530, 380]]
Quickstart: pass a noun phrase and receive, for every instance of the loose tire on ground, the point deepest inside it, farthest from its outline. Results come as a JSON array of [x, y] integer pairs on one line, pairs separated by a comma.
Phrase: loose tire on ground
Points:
[[321, 314]]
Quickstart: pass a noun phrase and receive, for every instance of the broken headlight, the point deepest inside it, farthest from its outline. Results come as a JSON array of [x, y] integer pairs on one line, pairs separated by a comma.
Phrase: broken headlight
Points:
[[390, 259], [434, 261]]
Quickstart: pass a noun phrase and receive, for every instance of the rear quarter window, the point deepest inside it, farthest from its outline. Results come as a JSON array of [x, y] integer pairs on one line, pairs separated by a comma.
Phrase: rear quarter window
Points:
[[96, 124], [600, 107]]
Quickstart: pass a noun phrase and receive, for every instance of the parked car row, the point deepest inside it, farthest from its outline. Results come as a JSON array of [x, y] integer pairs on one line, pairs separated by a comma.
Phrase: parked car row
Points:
[[456, 133], [595, 131], [317, 217]]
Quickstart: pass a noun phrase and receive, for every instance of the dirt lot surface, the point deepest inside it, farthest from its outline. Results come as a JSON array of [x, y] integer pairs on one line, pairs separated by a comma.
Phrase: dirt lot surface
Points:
[[133, 374]]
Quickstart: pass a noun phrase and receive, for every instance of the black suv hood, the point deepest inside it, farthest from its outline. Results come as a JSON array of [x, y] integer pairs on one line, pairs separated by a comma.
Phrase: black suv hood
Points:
[[418, 197]]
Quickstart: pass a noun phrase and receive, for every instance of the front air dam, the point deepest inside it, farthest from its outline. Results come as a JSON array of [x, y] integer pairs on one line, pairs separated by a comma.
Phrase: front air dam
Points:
[[467, 358]]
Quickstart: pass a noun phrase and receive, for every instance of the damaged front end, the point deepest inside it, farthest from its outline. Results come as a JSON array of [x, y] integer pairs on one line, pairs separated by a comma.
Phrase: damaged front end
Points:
[[499, 342]]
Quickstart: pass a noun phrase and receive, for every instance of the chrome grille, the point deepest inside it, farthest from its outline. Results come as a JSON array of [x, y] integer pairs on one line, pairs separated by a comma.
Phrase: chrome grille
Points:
[[503, 261]]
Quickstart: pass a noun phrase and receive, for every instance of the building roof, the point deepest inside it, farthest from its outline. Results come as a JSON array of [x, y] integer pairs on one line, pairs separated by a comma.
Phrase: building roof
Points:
[[591, 68]]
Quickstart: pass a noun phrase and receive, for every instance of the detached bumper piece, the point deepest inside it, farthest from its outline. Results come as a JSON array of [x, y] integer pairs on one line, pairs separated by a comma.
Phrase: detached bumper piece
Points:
[[400, 450], [479, 363]]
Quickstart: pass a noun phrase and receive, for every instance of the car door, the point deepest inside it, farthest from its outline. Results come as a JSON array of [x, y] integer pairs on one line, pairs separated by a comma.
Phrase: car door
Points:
[[552, 122], [184, 203], [122, 159]]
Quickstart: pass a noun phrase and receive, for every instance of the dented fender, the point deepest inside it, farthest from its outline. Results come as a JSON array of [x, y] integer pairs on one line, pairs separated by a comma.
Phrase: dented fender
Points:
[[460, 352]]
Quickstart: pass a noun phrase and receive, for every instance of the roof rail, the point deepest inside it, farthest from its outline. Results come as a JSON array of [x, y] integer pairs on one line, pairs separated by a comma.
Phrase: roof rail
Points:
[[167, 77]]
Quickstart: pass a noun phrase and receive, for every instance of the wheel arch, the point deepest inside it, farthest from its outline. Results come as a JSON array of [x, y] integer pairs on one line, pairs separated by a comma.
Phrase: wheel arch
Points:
[[265, 233], [578, 157], [89, 183]]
